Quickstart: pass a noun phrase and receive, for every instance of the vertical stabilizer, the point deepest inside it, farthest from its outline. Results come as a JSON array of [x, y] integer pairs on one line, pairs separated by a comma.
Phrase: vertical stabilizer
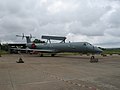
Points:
[[28, 39]]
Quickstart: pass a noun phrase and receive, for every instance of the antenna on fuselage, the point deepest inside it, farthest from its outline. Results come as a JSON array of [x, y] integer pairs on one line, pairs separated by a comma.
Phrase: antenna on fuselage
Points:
[[28, 37]]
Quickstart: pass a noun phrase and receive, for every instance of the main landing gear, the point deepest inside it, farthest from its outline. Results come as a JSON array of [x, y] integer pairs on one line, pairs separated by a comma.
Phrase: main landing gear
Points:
[[52, 55], [41, 54], [93, 59]]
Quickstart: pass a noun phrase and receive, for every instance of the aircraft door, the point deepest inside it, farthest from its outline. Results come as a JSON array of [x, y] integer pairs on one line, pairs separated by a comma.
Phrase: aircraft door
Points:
[[84, 47]]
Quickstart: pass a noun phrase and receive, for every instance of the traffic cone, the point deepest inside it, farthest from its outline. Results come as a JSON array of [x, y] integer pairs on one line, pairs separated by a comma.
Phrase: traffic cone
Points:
[[20, 60]]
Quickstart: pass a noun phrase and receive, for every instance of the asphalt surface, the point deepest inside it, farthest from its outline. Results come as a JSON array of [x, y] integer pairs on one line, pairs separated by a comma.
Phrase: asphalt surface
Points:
[[59, 73]]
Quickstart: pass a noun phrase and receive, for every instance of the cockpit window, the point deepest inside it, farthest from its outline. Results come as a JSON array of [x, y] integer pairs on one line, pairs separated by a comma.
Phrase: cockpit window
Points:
[[90, 44], [84, 44], [87, 44]]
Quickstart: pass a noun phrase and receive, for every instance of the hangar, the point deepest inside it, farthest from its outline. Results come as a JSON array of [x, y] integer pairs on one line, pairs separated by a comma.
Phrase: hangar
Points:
[[12, 47]]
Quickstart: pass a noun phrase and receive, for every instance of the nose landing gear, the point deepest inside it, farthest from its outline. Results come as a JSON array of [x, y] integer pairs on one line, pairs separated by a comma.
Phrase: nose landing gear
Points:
[[93, 59]]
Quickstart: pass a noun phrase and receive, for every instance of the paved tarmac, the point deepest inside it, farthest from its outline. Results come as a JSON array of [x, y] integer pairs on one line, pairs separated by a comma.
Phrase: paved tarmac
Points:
[[59, 73]]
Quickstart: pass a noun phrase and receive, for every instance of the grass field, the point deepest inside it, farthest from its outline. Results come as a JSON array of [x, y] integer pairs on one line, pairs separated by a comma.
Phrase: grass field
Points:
[[3, 52], [111, 51]]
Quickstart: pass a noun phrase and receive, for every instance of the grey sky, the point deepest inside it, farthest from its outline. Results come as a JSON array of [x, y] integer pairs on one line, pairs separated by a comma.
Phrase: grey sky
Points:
[[94, 21]]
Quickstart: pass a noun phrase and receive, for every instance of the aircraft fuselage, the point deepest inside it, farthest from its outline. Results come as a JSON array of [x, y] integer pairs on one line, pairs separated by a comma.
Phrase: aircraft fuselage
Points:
[[82, 47]]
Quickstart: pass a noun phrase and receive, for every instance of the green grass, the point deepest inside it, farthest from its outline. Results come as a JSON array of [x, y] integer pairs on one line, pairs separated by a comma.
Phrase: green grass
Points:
[[112, 51], [3, 52]]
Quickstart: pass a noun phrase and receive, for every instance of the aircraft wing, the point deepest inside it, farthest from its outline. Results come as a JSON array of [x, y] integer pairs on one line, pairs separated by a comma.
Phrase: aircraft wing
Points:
[[42, 50], [38, 50]]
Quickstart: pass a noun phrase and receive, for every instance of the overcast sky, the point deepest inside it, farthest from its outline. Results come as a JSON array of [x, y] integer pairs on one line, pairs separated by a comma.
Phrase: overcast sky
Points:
[[94, 21]]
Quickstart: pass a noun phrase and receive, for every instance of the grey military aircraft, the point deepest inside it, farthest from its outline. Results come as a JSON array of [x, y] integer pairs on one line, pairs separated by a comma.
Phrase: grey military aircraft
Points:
[[54, 48]]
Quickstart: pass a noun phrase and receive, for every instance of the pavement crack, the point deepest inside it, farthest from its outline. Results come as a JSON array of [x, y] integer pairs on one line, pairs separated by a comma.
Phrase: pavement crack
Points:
[[44, 82], [10, 76], [63, 80]]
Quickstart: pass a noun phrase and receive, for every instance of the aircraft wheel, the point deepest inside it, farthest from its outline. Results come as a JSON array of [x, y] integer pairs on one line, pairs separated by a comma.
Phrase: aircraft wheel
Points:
[[41, 55], [52, 55]]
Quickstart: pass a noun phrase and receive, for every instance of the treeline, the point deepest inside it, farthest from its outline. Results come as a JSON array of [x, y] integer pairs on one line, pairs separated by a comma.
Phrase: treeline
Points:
[[4, 47], [38, 41], [111, 50]]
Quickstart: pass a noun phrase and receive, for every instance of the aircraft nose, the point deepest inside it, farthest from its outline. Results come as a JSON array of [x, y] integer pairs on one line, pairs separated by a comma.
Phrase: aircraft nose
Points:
[[98, 50]]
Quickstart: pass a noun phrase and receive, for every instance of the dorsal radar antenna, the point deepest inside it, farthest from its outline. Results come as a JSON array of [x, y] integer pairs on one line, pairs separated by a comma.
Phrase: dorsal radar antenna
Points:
[[28, 37], [54, 38]]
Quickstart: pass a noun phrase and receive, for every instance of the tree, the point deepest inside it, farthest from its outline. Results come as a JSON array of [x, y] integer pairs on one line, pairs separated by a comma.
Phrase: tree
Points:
[[38, 41], [0, 46], [4, 47]]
